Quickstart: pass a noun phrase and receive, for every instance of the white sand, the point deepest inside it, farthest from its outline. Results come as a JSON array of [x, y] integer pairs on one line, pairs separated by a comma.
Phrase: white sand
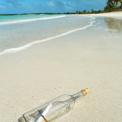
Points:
[[91, 58], [110, 14]]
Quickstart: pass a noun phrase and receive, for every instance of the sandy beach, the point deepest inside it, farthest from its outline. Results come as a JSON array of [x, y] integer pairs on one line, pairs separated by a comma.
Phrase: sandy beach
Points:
[[110, 14], [63, 56]]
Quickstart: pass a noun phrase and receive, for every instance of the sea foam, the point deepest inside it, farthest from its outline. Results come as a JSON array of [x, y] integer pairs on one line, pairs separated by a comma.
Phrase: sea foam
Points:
[[26, 46]]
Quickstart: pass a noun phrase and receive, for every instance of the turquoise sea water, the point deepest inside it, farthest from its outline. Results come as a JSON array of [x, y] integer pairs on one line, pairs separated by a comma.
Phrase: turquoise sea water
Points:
[[4, 18]]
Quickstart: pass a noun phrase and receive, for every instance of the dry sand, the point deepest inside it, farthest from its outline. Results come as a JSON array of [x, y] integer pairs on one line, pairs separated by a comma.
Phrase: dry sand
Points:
[[91, 58], [110, 14]]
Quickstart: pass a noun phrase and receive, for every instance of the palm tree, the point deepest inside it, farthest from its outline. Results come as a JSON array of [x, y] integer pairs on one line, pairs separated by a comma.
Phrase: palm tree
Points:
[[121, 4], [114, 3]]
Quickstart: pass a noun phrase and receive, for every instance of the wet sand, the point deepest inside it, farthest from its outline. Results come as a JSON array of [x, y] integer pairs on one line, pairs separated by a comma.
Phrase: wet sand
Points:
[[87, 58]]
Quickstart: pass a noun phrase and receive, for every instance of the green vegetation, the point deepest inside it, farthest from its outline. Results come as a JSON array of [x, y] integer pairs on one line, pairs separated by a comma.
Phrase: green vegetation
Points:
[[113, 5]]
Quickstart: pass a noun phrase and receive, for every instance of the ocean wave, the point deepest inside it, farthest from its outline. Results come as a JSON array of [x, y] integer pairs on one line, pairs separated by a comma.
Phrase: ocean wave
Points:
[[31, 20], [26, 46]]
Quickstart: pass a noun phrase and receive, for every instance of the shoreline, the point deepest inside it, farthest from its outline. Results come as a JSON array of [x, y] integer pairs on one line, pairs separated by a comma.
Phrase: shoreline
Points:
[[35, 42], [22, 20]]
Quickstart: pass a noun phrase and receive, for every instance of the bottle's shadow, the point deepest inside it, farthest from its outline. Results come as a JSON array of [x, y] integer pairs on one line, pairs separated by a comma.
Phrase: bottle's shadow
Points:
[[114, 24]]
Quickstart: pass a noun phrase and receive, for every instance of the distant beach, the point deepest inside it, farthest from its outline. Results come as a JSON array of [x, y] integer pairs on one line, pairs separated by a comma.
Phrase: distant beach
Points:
[[107, 14], [44, 57]]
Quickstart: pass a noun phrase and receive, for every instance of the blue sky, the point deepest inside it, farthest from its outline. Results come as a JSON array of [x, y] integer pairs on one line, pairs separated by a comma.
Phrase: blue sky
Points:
[[32, 6]]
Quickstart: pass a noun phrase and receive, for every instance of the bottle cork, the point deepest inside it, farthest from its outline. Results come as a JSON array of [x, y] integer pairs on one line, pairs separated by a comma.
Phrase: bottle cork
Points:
[[85, 91]]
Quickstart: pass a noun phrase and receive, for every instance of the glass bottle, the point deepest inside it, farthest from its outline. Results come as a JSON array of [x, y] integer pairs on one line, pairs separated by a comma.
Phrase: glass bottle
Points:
[[53, 109]]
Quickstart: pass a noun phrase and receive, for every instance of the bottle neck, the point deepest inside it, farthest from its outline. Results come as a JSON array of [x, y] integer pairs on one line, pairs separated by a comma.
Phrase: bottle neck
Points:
[[80, 94], [77, 96]]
